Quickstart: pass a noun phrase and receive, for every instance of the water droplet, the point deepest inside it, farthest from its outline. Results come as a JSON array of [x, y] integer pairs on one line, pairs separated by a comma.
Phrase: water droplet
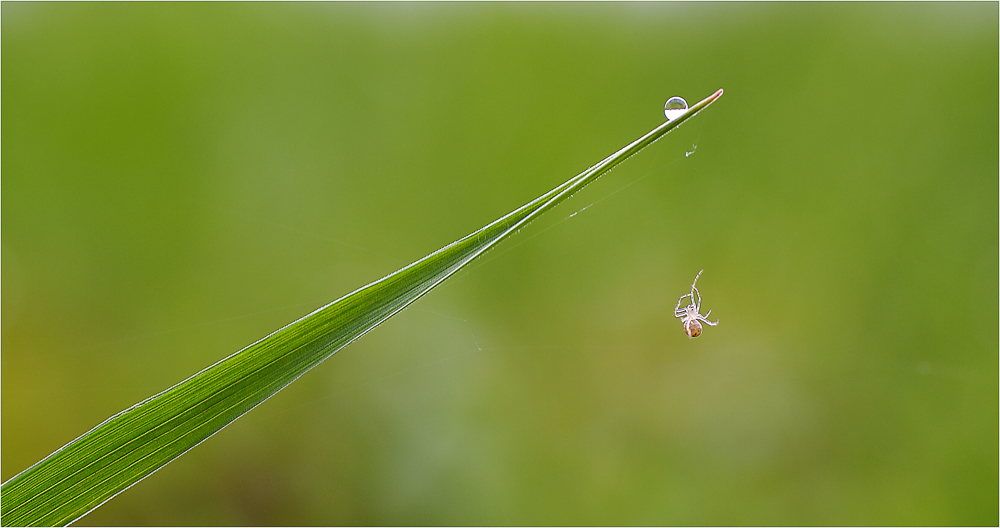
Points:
[[675, 107]]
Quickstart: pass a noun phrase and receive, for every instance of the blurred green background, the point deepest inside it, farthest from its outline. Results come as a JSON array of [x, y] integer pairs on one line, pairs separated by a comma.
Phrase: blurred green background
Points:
[[181, 179]]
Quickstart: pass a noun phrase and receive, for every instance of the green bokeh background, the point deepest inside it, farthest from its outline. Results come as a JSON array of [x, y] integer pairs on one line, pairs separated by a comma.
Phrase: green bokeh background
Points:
[[181, 179]]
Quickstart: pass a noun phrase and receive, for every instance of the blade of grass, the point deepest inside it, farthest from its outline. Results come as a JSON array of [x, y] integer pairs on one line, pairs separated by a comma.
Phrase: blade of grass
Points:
[[134, 443]]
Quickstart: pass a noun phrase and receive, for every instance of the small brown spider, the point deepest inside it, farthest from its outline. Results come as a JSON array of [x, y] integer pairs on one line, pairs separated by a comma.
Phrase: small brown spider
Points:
[[691, 314]]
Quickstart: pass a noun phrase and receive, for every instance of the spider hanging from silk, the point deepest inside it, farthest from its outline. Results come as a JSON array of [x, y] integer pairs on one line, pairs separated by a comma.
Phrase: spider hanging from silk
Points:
[[690, 315]]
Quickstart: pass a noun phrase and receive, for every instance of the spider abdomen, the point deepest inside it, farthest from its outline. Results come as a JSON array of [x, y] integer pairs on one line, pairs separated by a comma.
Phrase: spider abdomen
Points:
[[692, 328]]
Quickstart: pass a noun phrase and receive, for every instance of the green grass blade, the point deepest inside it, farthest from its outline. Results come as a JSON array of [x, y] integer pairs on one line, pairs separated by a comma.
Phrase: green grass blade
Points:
[[134, 443]]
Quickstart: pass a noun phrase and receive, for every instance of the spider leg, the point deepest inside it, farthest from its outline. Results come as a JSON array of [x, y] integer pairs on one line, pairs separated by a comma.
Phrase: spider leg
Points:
[[678, 311], [705, 319], [694, 290]]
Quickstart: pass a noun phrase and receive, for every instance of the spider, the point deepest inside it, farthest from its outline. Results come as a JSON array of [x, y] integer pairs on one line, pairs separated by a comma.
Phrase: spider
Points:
[[691, 314]]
